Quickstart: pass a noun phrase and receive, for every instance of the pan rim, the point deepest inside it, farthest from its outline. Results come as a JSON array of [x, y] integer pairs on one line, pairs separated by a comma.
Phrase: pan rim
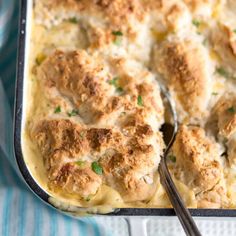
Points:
[[24, 171]]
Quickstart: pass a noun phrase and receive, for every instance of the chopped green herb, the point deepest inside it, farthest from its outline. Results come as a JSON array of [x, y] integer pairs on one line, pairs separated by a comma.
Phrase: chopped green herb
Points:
[[204, 42], [221, 71], [234, 31], [87, 199], [196, 23], [119, 90], [113, 81], [73, 113], [97, 168], [172, 158], [231, 110], [80, 163], [214, 93], [57, 109], [117, 33], [118, 38], [140, 100], [73, 20], [40, 58]]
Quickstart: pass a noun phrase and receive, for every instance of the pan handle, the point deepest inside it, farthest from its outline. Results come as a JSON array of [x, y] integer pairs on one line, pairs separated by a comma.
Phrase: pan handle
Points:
[[137, 226]]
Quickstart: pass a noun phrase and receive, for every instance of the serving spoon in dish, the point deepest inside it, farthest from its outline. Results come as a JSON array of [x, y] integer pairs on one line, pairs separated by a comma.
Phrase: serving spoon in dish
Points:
[[169, 131]]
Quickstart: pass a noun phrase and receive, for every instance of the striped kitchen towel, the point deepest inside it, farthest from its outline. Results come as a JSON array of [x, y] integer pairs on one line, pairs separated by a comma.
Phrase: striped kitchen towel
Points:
[[22, 213]]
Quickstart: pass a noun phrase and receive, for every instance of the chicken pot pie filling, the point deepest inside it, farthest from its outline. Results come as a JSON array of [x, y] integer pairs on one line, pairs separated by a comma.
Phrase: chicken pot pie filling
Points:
[[94, 111]]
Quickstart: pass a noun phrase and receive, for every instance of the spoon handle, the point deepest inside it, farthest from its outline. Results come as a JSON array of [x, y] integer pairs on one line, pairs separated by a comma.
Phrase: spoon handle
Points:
[[181, 211]]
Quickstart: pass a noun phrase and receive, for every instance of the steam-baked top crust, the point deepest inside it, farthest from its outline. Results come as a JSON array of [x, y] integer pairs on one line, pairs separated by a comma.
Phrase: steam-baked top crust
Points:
[[95, 92], [198, 156], [69, 149], [184, 65], [118, 129], [95, 109]]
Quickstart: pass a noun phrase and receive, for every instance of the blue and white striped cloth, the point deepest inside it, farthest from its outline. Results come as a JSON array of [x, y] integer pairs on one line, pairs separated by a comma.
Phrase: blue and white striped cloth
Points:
[[22, 213]]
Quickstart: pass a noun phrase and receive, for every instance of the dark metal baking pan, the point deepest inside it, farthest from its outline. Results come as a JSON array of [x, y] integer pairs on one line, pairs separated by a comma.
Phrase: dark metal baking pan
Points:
[[42, 194]]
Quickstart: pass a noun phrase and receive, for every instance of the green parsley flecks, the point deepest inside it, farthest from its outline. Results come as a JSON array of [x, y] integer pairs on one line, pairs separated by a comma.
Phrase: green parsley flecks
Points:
[[119, 90], [140, 100], [57, 109], [40, 58], [96, 167], [221, 71], [117, 33], [114, 82], [234, 31], [231, 110], [214, 93], [172, 158], [73, 113], [196, 23], [87, 199], [80, 163], [73, 20], [118, 37]]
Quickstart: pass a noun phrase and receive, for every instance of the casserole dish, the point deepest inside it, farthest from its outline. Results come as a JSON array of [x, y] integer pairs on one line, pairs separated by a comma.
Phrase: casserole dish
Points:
[[19, 119]]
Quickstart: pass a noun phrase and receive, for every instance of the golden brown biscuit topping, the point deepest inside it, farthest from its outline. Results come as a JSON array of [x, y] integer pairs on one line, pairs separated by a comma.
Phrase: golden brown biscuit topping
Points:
[[199, 157], [182, 65], [95, 109], [65, 145]]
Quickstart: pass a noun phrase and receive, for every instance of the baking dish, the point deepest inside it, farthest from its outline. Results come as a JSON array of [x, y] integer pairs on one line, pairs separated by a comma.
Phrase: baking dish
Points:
[[19, 116]]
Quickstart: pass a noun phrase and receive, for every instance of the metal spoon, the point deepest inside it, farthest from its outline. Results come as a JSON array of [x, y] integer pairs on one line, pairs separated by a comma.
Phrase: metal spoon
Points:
[[169, 132]]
